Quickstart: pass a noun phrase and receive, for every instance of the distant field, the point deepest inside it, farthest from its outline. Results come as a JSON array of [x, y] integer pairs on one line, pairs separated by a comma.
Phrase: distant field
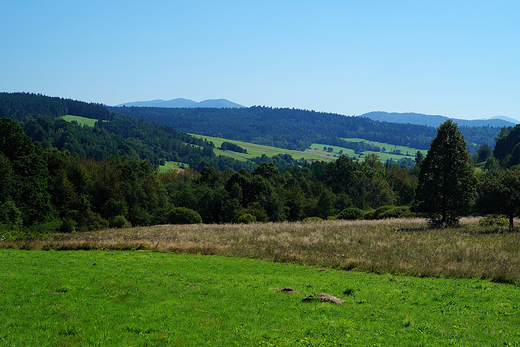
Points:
[[81, 120], [315, 152], [172, 164], [254, 150]]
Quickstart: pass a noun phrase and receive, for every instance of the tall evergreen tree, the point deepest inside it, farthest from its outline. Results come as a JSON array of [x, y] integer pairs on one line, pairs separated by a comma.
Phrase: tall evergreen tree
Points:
[[446, 186]]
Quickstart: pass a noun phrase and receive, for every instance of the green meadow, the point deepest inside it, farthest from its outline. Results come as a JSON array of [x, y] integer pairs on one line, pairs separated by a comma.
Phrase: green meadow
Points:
[[254, 150], [172, 165], [120, 298], [315, 152], [80, 120]]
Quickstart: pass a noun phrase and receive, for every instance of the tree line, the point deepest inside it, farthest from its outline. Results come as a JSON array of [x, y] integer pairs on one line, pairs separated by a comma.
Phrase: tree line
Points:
[[297, 129], [49, 189], [47, 182]]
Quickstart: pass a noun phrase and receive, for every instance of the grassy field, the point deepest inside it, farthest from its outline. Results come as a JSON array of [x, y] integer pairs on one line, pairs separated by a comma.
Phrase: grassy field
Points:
[[401, 246], [81, 120], [172, 165], [254, 150], [102, 298], [315, 152]]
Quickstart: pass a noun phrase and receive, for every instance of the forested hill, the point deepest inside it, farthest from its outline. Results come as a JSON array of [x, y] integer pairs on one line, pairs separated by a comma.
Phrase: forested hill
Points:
[[295, 129], [116, 135]]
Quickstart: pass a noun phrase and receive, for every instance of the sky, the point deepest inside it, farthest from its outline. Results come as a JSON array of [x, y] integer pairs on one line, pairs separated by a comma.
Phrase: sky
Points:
[[459, 59]]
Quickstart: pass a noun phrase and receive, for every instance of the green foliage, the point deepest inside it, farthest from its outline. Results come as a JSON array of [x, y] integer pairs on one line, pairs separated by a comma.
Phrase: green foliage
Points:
[[228, 146], [484, 152], [350, 213], [255, 210], [9, 214], [68, 226], [446, 186], [246, 218], [493, 220], [119, 222], [369, 214], [296, 129], [501, 195], [183, 215]]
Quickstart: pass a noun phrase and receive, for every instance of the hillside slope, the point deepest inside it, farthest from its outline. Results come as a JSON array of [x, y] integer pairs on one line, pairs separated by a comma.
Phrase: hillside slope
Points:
[[296, 129]]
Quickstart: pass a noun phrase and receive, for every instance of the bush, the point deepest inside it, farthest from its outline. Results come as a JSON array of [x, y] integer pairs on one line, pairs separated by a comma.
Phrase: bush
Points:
[[183, 215], [255, 210], [95, 222], [138, 216], [493, 220], [369, 214], [350, 213], [246, 218], [68, 226], [381, 210], [119, 222]]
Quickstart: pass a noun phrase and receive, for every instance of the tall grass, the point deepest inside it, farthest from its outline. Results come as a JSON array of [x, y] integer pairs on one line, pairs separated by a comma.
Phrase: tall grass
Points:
[[400, 246]]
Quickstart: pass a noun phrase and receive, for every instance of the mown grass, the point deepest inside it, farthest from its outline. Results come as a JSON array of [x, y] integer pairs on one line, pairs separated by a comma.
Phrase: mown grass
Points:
[[255, 150], [402, 246], [315, 152], [164, 299]]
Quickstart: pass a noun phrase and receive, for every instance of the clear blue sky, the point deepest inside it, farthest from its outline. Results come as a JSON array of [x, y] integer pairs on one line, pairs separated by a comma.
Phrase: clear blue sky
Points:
[[460, 59]]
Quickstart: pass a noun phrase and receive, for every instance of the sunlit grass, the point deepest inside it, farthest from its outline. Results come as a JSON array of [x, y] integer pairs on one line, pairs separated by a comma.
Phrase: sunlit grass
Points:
[[402, 246]]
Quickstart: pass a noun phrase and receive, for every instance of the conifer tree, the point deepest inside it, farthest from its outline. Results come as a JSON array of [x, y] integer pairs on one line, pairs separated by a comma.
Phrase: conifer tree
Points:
[[446, 186]]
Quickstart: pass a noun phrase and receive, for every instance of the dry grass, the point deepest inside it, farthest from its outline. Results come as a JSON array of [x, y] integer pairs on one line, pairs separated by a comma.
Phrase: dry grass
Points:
[[402, 246]]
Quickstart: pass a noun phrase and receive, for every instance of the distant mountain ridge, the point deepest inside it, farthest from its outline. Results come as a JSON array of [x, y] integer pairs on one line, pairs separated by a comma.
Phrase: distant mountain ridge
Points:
[[435, 121], [181, 103]]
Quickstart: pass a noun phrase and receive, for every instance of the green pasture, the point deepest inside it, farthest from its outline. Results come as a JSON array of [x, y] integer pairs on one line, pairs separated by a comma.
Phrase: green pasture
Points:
[[81, 120], [315, 152], [172, 165], [254, 150], [119, 298]]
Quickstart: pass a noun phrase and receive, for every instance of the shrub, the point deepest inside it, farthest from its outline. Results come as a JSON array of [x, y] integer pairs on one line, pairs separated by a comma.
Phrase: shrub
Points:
[[255, 210], [493, 220], [246, 218], [119, 222], [138, 216], [68, 226], [369, 214], [381, 210], [95, 222], [350, 213], [183, 215]]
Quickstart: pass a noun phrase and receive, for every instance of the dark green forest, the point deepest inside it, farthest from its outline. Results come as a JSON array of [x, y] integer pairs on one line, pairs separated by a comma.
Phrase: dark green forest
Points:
[[58, 176], [113, 135], [297, 129]]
